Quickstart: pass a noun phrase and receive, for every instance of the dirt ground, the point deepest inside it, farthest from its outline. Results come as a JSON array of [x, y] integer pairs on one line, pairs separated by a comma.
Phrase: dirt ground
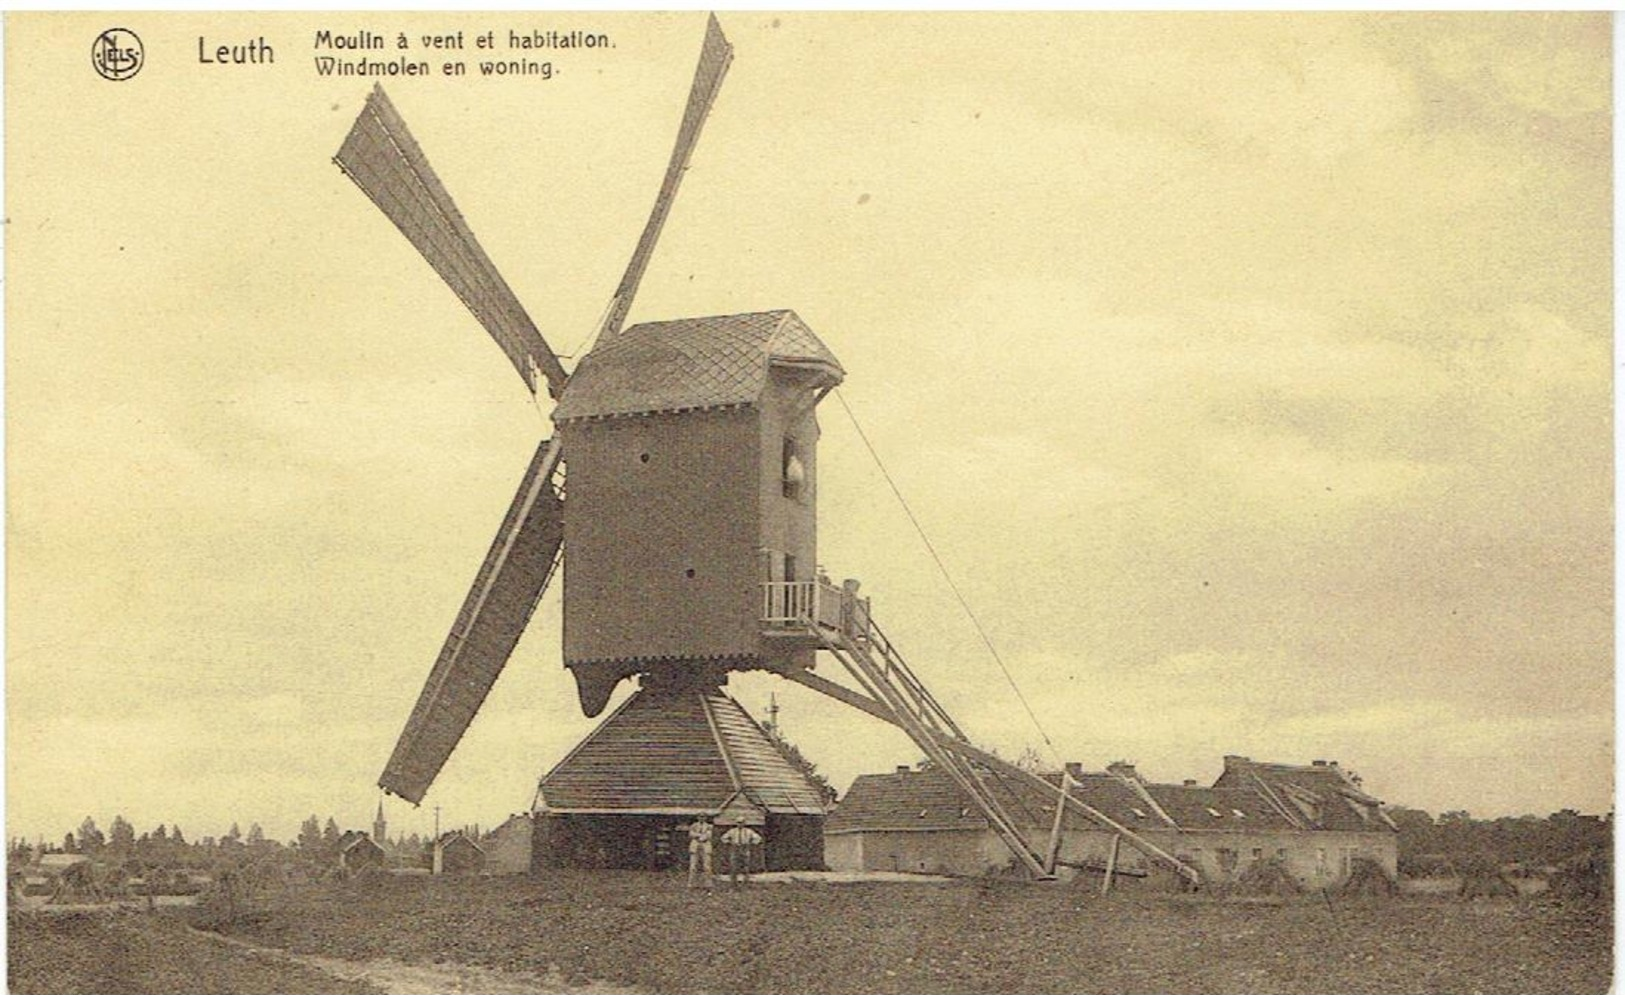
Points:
[[647, 932], [78, 952]]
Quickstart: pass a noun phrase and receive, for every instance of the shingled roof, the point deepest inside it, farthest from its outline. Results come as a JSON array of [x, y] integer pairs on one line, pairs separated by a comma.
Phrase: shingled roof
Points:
[[669, 366], [665, 752]]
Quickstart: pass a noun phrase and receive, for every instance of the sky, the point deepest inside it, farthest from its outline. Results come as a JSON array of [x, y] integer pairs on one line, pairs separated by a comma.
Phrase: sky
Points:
[[1249, 373]]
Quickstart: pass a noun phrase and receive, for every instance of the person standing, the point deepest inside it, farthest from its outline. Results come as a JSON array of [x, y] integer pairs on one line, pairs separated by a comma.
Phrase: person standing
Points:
[[699, 850], [741, 840]]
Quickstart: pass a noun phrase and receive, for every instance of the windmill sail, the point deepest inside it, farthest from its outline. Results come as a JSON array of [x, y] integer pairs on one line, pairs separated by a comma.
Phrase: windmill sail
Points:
[[382, 158], [715, 55], [510, 581]]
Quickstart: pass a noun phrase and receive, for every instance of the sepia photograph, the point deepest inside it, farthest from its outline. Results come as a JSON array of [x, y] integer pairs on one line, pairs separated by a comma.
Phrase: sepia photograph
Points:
[[1047, 502]]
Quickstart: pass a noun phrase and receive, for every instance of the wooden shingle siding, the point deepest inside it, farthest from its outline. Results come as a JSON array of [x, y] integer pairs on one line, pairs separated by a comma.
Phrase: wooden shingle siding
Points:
[[676, 752]]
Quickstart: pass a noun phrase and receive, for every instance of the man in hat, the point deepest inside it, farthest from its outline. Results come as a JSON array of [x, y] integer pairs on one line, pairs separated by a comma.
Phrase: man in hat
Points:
[[741, 840]]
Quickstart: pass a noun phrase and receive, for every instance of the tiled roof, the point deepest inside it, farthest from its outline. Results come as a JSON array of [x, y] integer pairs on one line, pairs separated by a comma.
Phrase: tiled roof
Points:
[[1237, 810], [929, 799], [907, 799], [1320, 795], [1116, 799], [676, 752], [690, 363]]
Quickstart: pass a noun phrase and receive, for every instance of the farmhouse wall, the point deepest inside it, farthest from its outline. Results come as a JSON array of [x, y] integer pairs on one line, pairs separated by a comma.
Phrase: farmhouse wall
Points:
[[948, 851], [1315, 859]]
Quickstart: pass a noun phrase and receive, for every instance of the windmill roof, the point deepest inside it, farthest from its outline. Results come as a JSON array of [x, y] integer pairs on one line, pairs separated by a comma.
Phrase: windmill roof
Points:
[[676, 752], [668, 366]]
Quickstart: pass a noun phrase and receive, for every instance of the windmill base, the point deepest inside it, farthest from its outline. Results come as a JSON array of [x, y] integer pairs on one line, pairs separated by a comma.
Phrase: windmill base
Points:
[[673, 752], [657, 843]]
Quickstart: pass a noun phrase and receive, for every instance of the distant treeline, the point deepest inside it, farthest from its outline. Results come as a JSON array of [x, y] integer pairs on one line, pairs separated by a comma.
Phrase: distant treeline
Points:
[[168, 846], [1457, 843]]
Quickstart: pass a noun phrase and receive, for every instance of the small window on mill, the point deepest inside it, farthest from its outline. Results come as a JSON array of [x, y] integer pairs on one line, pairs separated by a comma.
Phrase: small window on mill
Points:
[[795, 474]]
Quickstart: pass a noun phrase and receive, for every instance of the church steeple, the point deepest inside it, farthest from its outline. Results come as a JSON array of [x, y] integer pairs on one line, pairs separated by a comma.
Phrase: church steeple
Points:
[[379, 826]]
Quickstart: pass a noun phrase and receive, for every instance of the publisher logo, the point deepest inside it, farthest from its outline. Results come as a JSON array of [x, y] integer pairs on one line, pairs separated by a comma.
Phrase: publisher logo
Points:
[[117, 54]]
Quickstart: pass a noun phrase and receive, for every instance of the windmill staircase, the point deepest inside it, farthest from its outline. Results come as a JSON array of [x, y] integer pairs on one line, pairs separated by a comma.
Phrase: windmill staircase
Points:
[[842, 624]]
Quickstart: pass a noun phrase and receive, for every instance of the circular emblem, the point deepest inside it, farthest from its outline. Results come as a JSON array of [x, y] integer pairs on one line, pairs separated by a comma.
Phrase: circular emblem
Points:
[[117, 54]]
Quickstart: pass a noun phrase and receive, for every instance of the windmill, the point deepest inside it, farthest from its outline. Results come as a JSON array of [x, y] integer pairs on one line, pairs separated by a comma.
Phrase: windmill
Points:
[[691, 530]]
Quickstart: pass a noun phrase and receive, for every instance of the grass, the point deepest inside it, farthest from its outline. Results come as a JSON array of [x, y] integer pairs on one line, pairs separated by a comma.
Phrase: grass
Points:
[[646, 931]]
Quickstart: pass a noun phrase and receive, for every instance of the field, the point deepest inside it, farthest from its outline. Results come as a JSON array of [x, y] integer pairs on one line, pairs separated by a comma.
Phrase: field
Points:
[[646, 932]]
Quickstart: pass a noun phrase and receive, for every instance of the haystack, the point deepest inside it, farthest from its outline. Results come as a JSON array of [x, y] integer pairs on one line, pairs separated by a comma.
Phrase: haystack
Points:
[[1264, 877], [1482, 877], [1589, 875], [1366, 877]]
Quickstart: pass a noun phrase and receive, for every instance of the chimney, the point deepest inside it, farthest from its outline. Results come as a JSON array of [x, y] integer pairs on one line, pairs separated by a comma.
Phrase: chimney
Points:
[[1233, 762], [1319, 763], [1190, 782], [1074, 770], [904, 769], [1122, 768]]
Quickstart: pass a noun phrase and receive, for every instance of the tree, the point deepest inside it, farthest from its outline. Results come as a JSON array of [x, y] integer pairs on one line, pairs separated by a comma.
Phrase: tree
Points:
[[121, 836], [69, 845], [90, 838], [1033, 762], [256, 835], [310, 835], [330, 837]]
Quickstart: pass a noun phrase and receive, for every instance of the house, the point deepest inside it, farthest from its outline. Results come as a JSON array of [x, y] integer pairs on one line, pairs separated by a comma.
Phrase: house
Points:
[[508, 847], [357, 851], [455, 853], [1314, 821]]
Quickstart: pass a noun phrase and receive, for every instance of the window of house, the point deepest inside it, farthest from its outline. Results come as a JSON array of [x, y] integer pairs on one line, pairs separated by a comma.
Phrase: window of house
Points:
[[1258, 853]]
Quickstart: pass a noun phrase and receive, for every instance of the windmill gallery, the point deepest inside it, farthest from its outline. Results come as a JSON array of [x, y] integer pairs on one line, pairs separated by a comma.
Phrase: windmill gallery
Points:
[[677, 579]]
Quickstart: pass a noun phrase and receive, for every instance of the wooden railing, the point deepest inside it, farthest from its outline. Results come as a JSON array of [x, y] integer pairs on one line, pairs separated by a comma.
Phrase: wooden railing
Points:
[[795, 603]]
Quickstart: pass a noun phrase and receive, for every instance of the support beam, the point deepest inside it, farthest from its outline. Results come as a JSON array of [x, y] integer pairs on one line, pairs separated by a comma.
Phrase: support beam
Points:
[[839, 692], [927, 736], [1055, 830], [1111, 866]]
